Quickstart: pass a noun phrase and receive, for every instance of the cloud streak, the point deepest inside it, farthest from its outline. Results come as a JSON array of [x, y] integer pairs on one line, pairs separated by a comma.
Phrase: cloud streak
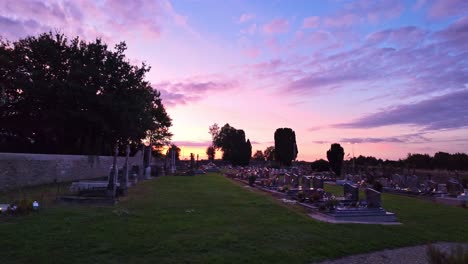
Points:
[[448, 111], [191, 90]]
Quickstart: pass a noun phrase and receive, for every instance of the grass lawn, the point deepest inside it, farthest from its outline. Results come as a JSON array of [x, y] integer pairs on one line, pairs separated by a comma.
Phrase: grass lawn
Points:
[[209, 219]]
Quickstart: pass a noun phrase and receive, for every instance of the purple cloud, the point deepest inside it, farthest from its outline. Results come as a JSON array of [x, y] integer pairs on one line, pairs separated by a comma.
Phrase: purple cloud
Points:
[[246, 17], [176, 93], [365, 11], [411, 138], [192, 143], [448, 8], [418, 59], [311, 22], [448, 111], [276, 26]]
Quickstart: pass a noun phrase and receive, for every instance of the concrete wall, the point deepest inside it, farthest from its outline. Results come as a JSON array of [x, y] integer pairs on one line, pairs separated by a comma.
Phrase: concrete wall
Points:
[[22, 169]]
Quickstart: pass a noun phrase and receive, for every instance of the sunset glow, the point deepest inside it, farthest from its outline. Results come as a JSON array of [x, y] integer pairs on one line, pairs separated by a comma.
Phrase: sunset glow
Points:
[[390, 77]]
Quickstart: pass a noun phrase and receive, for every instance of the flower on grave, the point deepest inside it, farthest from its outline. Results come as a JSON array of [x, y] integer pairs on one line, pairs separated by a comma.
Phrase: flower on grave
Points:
[[35, 206]]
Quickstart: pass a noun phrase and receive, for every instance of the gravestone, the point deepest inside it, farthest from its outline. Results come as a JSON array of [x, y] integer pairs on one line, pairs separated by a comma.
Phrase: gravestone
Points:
[[442, 188], [295, 180], [373, 198], [397, 180], [317, 183], [305, 183], [412, 183], [351, 192], [454, 188], [432, 185], [287, 179]]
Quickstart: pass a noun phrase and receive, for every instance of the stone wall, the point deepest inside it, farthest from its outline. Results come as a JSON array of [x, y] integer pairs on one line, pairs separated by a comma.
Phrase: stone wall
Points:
[[22, 169]]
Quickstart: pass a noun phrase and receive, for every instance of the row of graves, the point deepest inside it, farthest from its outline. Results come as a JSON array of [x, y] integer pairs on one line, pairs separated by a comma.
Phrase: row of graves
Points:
[[450, 191], [308, 191], [107, 192]]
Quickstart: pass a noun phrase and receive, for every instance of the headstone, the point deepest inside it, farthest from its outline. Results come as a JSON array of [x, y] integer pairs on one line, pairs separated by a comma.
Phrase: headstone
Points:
[[412, 183], [373, 198], [317, 183], [287, 179], [351, 192], [454, 188], [442, 188], [305, 183]]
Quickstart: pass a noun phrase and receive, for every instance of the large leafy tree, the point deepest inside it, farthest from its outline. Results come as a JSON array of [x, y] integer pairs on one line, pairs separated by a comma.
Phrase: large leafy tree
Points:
[[210, 152], [75, 97], [335, 157], [269, 153], [285, 146], [233, 144], [259, 156]]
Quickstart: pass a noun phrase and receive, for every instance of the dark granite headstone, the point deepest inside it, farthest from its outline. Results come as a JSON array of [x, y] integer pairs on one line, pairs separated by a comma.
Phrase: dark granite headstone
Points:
[[317, 183], [373, 198], [412, 183], [454, 188], [287, 179], [351, 192], [305, 183]]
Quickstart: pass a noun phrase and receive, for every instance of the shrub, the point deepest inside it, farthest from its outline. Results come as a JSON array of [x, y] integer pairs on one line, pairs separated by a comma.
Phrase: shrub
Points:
[[330, 204], [457, 255], [252, 179], [301, 196], [377, 186], [315, 196]]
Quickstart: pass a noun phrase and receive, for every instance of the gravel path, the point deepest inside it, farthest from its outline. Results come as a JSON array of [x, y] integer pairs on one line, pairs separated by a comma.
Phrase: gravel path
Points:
[[413, 255]]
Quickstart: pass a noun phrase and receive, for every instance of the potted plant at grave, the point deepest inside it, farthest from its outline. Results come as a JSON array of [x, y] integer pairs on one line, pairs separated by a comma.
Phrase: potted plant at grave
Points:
[[301, 196], [285, 188], [315, 197], [252, 179], [331, 204]]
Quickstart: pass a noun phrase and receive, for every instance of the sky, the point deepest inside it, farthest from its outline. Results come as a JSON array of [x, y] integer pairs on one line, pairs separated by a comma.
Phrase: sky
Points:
[[381, 77]]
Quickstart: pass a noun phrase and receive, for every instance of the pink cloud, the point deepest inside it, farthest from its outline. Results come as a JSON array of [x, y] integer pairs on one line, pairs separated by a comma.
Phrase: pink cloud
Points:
[[365, 11], [276, 26], [345, 20], [246, 17], [110, 20], [311, 22], [420, 61], [250, 30], [252, 52], [448, 8], [191, 90], [405, 36]]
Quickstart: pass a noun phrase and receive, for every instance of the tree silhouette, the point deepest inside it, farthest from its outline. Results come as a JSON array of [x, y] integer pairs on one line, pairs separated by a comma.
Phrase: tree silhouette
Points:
[[234, 146], [335, 157], [258, 156], [269, 153], [210, 152], [75, 97], [285, 146]]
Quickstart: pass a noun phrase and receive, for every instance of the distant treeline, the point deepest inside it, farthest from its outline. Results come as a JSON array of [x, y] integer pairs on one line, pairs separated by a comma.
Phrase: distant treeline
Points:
[[441, 160]]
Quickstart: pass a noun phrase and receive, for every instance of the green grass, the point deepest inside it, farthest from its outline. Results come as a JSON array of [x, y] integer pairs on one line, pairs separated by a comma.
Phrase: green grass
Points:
[[209, 219]]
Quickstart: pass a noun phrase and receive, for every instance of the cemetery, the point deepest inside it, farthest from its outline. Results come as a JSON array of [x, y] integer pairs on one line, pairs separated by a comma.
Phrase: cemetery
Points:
[[90, 170], [309, 192], [217, 220]]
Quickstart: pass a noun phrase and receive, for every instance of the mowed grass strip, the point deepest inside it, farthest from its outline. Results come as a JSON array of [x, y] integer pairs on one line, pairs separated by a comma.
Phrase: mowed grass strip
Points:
[[210, 219]]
